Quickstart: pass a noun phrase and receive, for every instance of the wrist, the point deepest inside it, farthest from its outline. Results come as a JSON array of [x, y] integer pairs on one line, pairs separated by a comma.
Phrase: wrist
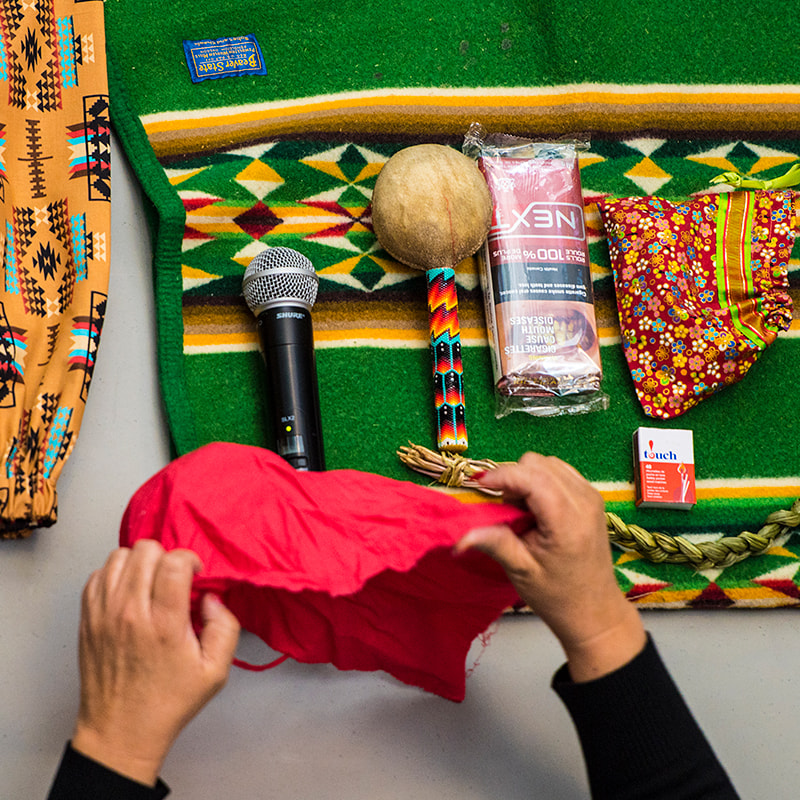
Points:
[[607, 650], [116, 755]]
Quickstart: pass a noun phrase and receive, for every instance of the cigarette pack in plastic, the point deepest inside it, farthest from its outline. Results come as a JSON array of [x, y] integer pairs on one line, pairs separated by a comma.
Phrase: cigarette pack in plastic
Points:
[[536, 277]]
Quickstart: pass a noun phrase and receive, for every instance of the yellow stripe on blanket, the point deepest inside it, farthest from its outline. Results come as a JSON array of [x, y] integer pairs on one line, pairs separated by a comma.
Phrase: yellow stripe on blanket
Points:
[[706, 490], [715, 489], [603, 107], [572, 94], [239, 341]]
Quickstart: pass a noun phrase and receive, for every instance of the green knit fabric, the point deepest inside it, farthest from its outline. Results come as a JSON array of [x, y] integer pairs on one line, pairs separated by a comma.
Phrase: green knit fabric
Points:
[[327, 47], [377, 395]]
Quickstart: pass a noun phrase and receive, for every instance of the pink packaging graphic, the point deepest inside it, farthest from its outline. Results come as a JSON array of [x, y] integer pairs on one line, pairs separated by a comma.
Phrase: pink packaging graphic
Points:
[[537, 278], [664, 468]]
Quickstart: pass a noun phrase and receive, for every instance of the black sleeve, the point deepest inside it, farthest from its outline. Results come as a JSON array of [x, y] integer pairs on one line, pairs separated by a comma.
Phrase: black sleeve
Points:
[[81, 778], [638, 736]]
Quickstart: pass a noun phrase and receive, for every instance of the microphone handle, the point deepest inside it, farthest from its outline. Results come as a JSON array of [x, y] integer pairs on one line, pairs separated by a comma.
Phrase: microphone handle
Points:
[[287, 337]]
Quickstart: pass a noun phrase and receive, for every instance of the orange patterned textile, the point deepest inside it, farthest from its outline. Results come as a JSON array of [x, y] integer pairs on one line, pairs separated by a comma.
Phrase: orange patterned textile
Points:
[[55, 190]]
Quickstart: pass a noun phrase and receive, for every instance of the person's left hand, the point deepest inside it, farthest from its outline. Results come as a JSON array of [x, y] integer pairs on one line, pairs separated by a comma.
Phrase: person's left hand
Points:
[[144, 672]]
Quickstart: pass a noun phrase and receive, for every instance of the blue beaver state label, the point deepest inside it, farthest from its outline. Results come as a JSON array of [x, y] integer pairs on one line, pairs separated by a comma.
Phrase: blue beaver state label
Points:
[[224, 58]]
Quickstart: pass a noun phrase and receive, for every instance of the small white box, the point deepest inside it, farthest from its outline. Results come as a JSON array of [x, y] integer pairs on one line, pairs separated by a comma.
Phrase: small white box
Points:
[[664, 468]]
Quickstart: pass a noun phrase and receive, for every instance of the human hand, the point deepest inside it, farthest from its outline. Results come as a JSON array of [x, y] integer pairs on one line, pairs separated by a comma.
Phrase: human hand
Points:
[[562, 567], [144, 672]]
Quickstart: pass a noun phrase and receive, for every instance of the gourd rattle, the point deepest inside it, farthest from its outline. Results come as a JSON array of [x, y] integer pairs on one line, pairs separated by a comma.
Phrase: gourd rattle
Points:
[[431, 208]]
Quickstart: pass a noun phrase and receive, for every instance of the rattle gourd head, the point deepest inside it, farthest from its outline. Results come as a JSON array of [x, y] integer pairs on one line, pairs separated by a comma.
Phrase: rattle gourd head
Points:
[[431, 206]]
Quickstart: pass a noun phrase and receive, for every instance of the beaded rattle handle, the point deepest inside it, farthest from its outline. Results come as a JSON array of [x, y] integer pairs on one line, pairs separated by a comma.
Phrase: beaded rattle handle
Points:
[[447, 368]]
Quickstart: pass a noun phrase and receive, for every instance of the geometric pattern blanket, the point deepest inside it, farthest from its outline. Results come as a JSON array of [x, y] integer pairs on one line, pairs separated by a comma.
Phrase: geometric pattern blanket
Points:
[[231, 166]]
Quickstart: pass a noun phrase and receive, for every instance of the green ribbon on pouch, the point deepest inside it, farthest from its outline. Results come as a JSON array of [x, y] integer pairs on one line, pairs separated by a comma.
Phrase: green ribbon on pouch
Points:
[[791, 178]]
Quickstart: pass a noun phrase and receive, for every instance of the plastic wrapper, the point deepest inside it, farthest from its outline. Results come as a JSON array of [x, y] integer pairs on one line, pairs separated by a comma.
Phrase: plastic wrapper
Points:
[[536, 277]]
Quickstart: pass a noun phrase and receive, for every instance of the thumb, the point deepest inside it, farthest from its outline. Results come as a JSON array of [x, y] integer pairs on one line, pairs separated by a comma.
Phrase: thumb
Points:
[[499, 542], [220, 633]]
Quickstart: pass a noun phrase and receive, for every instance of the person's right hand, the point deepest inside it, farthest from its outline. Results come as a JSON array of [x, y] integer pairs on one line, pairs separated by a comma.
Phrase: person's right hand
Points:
[[144, 672], [562, 567]]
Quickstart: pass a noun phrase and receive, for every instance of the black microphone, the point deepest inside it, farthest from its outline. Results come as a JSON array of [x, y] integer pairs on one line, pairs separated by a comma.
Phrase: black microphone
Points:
[[280, 287]]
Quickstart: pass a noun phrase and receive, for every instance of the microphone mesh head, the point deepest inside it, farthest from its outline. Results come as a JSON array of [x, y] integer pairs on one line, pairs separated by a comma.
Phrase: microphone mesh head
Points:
[[279, 276]]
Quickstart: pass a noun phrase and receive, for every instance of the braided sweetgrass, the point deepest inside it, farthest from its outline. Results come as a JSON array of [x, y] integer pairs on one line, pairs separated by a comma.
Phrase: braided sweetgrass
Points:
[[454, 470]]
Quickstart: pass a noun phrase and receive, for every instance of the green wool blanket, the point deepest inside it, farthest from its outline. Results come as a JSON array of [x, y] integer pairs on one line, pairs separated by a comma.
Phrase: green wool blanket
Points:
[[287, 152]]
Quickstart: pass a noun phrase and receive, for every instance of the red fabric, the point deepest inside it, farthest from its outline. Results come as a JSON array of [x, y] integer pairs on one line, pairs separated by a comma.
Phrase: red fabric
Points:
[[702, 289], [342, 566]]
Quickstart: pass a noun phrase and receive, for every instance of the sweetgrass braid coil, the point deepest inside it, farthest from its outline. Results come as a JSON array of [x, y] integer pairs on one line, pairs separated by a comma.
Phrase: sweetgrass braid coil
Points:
[[454, 470]]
